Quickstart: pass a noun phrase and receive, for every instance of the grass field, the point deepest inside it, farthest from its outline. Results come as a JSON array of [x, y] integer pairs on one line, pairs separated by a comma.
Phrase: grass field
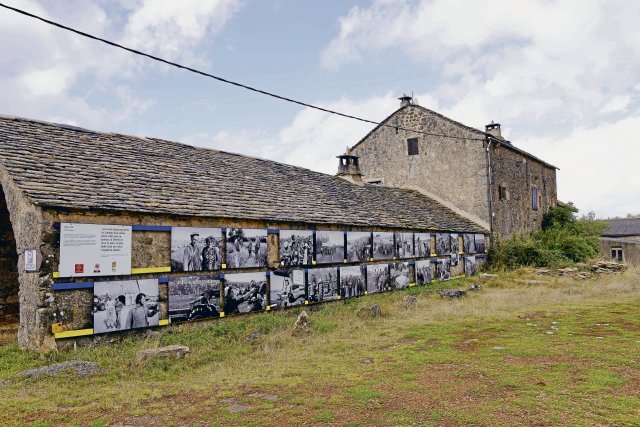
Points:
[[562, 353]]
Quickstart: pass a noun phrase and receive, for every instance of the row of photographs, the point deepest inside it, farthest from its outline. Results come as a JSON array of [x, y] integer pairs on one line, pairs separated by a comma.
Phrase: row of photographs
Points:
[[132, 304], [200, 249]]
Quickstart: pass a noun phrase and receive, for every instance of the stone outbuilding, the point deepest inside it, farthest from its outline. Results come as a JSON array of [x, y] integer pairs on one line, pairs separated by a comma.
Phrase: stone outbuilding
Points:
[[478, 174], [52, 173], [620, 242]]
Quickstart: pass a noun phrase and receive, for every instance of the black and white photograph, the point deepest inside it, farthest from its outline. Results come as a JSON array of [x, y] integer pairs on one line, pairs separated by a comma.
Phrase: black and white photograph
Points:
[[358, 246], [423, 244], [469, 244], [352, 281], [245, 292], [479, 241], [382, 245], [196, 249], [443, 244], [399, 275], [322, 284], [296, 247], [377, 278], [404, 244], [455, 249], [194, 297], [126, 304], [470, 266], [329, 247], [424, 272], [286, 288], [246, 247], [443, 269]]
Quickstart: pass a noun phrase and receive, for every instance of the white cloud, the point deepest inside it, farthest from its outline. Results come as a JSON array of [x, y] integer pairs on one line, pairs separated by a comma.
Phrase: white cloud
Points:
[[616, 104]]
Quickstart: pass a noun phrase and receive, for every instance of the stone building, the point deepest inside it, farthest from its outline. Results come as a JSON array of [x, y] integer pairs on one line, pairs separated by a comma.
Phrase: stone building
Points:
[[480, 175], [620, 242], [52, 174]]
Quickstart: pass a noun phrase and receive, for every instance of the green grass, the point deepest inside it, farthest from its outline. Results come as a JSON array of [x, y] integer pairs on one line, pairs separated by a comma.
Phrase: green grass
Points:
[[483, 360]]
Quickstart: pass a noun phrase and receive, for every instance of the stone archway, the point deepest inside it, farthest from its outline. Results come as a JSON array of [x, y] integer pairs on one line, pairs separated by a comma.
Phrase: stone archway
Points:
[[9, 281]]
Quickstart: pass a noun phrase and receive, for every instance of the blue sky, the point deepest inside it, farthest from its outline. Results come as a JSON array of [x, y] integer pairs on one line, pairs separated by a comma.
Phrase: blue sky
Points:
[[561, 76]]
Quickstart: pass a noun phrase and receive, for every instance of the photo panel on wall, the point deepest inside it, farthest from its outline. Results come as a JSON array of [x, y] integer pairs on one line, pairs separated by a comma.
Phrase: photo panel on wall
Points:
[[469, 244], [404, 244], [286, 288], [125, 304], [329, 246], [443, 244], [246, 247], [382, 245], [322, 284], [196, 249], [245, 292], [470, 266], [358, 246], [479, 241], [443, 269], [194, 297], [399, 274], [377, 278], [455, 249], [296, 247], [352, 281], [424, 272], [423, 244]]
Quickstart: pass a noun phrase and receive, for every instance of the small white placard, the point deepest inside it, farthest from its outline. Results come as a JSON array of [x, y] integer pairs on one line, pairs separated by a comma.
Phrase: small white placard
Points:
[[94, 250], [30, 257]]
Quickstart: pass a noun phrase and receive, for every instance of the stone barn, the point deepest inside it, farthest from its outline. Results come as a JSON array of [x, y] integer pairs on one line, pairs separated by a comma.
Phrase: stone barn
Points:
[[478, 174], [62, 184], [620, 242]]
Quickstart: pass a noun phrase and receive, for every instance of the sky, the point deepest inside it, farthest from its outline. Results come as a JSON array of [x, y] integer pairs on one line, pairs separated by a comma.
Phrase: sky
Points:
[[560, 76]]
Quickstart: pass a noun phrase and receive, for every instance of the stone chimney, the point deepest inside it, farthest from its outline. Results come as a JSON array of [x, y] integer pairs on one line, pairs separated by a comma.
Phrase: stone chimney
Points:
[[494, 130], [349, 169], [405, 100]]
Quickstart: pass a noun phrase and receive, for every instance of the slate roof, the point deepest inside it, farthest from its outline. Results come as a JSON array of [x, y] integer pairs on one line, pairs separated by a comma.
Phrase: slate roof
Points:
[[69, 167], [623, 227]]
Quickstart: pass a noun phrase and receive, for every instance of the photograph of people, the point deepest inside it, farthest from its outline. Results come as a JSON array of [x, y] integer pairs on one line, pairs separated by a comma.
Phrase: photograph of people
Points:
[[322, 284], [246, 247], [196, 249], [296, 247], [443, 244], [123, 305], [245, 292], [399, 273], [423, 244], [424, 272], [455, 249], [382, 245], [286, 288], [352, 281], [194, 297], [358, 246], [377, 278], [329, 246]]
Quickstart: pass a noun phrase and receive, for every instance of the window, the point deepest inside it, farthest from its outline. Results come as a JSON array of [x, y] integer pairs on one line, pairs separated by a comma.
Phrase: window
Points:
[[534, 198], [617, 255], [503, 193], [375, 181], [412, 146]]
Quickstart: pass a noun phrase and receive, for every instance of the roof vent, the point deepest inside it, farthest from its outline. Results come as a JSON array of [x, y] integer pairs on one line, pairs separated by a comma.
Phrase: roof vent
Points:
[[349, 169]]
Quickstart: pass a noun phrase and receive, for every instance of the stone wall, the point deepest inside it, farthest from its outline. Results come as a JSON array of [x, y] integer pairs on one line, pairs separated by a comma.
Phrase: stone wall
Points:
[[453, 171], [630, 249], [519, 175], [9, 286]]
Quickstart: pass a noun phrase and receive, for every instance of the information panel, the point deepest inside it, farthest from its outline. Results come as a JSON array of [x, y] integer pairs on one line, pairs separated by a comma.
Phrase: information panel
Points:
[[94, 250]]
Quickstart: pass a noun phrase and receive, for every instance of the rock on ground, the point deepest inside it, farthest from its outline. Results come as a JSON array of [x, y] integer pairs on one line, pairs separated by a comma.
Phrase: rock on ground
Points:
[[452, 293], [175, 351], [79, 367]]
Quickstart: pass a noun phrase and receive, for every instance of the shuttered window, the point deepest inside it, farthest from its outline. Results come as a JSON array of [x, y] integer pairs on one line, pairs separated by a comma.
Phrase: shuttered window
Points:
[[412, 146]]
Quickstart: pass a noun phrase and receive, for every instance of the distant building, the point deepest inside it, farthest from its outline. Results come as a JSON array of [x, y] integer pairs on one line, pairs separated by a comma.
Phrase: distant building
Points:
[[480, 175], [621, 241]]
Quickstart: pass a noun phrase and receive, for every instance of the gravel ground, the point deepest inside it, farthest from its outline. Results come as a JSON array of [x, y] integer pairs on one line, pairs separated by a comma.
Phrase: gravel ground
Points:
[[79, 367]]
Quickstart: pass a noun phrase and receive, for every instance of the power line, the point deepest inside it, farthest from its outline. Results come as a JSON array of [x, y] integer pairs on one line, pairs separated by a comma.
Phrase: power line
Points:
[[221, 79]]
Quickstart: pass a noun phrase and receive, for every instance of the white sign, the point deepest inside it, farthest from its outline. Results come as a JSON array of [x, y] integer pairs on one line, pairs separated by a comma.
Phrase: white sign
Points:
[[298, 277], [30, 260], [94, 250]]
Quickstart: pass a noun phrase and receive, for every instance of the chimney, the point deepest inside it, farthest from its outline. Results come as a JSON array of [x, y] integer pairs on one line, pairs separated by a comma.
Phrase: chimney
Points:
[[405, 100], [494, 130], [349, 169]]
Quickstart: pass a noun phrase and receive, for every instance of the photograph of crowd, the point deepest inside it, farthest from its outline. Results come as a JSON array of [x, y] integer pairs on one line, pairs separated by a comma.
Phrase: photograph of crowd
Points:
[[382, 245], [127, 304], [377, 278], [296, 247], [194, 297], [399, 273], [443, 244], [286, 288], [443, 269], [196, 249], [424, 272], [358, 246], [245, 292], [479, 241], [404, 244], [329, 246], [455, 249], [352, 281], [246, 247], [423, 244], [470, 266], [322, 284], [469, 244]]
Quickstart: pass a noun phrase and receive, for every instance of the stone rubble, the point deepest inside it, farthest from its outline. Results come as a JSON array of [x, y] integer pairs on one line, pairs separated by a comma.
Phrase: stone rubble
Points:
[[79, 367]]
